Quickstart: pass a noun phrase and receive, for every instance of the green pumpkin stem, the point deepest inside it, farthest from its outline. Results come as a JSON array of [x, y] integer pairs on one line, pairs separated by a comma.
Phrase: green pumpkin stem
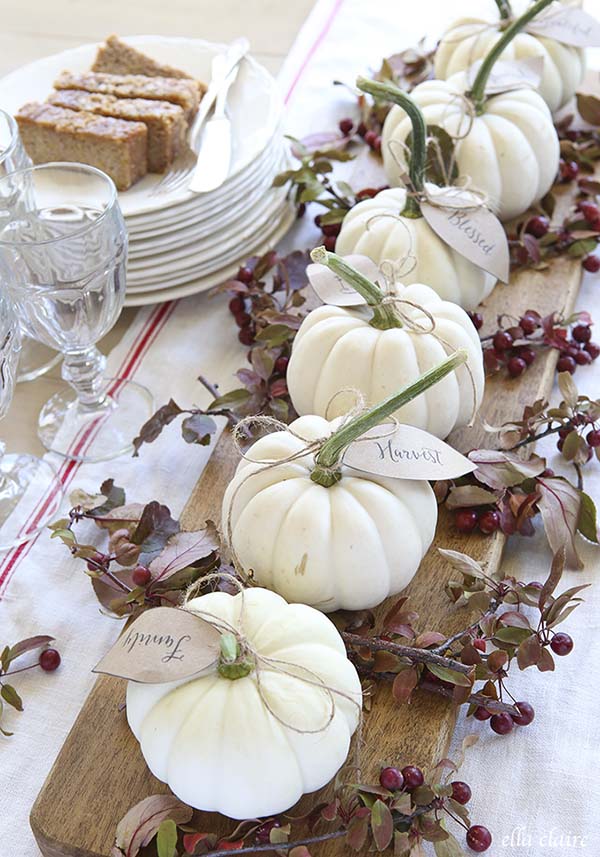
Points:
[[232, 664], [477, 93], [505, 10], [327, 470], [418, 155], [384, 316]]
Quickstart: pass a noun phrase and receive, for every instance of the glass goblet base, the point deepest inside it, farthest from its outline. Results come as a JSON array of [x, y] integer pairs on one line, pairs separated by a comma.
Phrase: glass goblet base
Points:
[[100, 433], [35, 359], [30, 498]]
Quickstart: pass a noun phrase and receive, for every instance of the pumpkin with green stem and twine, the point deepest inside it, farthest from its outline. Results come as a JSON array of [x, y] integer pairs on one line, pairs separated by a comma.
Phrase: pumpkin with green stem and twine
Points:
[[390, 227], [470, 39], [505, 145], [315, 531], [378, 346]]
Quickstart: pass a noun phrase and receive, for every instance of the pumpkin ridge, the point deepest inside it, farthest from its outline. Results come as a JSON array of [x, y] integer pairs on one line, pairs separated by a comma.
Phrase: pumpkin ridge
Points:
[[320, 389]]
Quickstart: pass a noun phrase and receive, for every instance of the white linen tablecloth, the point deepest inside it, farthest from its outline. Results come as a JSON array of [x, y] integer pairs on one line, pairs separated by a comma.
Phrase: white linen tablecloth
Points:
[[537, 789]]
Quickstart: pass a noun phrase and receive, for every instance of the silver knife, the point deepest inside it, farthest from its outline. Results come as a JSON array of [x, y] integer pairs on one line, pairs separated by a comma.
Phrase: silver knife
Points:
[[214, 153]]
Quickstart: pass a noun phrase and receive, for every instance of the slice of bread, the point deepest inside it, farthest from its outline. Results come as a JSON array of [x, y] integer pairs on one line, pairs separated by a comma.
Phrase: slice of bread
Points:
[[165, 121], [116, 57], [116, 146]]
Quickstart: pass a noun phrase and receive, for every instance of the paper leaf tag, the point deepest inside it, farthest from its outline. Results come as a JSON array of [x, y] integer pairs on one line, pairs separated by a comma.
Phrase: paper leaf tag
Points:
[[475, 232], [333, 290], [406, 452], [567, 24], [163, 644], [506, 75]]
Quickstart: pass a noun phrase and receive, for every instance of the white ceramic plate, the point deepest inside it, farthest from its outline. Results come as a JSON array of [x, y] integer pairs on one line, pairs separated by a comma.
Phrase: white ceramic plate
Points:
[[254, 102], [216, 277]]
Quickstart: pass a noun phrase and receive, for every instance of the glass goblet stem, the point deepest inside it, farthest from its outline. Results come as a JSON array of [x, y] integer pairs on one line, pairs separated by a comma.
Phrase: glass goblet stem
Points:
[[84, 371]]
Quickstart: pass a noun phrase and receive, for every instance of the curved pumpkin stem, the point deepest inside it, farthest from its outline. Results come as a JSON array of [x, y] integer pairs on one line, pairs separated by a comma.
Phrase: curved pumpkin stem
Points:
[[505, 10]]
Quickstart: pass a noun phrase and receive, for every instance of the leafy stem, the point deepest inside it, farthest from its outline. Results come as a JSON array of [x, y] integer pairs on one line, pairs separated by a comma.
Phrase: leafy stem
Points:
[[411, 653]]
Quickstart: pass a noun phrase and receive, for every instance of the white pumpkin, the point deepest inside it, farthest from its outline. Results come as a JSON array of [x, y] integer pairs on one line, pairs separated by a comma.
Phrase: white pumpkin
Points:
[[213, 739], [470, 39], [375, 228], [347, 546], [337, 349], [511, 150]]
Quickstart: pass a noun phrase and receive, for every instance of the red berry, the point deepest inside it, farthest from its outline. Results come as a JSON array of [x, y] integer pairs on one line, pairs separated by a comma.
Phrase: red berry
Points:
[[590, 211], [466, 520], [346, 126], [391, 779], [593, 438], [528, 323], [538, 226], [527, 354], [329, 242], [141, 575], [571, 350], [490, 360], [370, 137], [236, 305], [502, 340], [581, 333], [477, 319], [582, 358], [501, 723], [246, 336], [568, 170], [479, 644], [281, 365], [525, 715], [489, 521], [562, 644], [566, 364], [413, 777], [243, 319], [263, 833], [479, 838], [591, 263], [593, 349], [516, 366], [49, 660], [461, 792], [245, 275], [331, 229], [481, 713], [516, 332]]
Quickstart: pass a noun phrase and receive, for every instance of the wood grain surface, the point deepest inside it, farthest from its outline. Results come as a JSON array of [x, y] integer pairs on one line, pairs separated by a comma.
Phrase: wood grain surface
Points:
[[100, 772]]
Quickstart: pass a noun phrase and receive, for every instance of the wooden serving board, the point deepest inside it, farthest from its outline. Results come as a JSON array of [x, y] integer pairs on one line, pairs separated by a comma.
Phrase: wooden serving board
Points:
[[100, 773]]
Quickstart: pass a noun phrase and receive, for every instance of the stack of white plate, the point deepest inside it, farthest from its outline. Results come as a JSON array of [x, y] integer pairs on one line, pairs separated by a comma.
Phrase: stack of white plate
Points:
[[180, 242]]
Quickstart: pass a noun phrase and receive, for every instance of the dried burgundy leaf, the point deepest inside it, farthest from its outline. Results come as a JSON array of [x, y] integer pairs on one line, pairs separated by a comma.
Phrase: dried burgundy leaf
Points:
[[404, 684], [139, 826], [153, 427], [183, 549]]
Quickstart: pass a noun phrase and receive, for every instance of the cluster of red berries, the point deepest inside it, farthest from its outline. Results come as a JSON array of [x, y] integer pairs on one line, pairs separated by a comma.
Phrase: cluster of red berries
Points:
[[239, 310], [579, 420], [410, 777], [502, 722], [371, 138], [591, 213], [486, 520]]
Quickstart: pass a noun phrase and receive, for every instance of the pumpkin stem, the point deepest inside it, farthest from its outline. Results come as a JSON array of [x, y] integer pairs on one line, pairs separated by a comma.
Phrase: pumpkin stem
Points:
[[478, 89], [327, 471], [505, 10], [418, 155], [384, 316], [233, 663]]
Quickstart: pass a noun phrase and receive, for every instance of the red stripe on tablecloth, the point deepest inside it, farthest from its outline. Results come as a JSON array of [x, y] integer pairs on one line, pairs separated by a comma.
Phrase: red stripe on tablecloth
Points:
[[131, 362], [314, 47]]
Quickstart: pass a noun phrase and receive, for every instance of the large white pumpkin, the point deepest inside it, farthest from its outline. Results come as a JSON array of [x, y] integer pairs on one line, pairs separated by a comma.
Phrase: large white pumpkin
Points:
[[214, 741], [470, 39], [510, 151], [337, 349], [374, 228], [348, 546]]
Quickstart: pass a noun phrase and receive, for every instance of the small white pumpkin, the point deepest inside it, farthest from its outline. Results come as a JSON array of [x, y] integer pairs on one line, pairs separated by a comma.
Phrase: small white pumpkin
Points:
[[213, 739], [505, 145], [338, 350], [470, 39], [376, 229], [348, 546]]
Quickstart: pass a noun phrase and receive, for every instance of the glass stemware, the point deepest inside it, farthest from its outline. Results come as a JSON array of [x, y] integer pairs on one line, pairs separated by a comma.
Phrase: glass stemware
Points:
[[36, 359], [63, 253], [30, 491]]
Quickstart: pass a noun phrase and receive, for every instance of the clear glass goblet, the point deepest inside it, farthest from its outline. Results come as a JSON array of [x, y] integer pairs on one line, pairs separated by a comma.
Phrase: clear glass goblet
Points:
[[63, 254], [36, 359], [30, 491]]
